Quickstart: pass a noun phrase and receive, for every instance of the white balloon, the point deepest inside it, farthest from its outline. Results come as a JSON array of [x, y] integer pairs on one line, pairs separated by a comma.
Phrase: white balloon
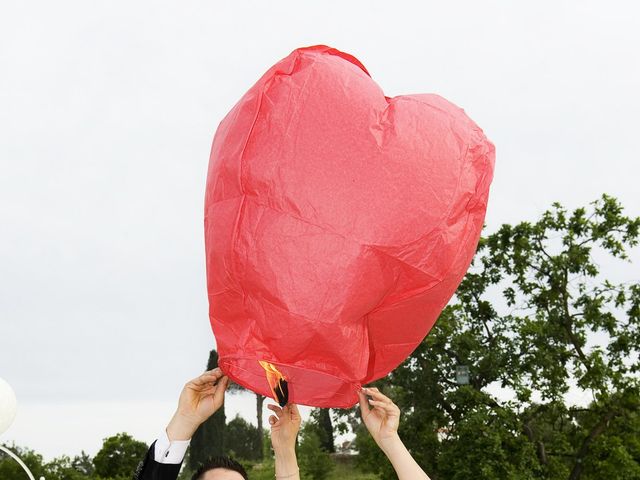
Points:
[[8, 406]]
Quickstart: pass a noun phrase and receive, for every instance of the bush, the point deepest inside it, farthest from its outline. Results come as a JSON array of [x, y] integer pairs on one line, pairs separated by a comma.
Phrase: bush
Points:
[[315, 462]]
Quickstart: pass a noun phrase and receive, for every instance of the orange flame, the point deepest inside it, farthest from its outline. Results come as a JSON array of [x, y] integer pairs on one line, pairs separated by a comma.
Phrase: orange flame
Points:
[[277, 383]]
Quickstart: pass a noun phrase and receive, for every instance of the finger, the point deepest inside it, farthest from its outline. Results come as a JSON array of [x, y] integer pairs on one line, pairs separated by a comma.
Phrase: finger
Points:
[[205, 389], [294, 413], [214, 371], [375, 393], [218, 396], [293, 408], [207, 386], [364, 406], [273, 420], [207, 377], [221, 378], [275, 408], [388, 408]]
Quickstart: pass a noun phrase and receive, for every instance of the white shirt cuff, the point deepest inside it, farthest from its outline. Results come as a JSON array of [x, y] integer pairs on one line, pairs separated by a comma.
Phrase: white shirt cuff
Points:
[[166, 451]]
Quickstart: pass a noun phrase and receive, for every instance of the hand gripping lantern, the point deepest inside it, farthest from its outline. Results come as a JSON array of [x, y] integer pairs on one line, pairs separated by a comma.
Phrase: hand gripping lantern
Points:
[[338, 224]]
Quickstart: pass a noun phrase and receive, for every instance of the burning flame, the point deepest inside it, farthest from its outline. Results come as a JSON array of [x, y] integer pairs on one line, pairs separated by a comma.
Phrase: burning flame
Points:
[[277, 383]]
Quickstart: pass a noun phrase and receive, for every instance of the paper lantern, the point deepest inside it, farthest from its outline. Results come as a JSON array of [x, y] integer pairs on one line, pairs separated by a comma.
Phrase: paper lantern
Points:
[[338, 224], [8, 406]]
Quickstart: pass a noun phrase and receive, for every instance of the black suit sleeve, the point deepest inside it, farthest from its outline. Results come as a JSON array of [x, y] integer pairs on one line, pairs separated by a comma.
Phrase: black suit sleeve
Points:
[[149, 469]]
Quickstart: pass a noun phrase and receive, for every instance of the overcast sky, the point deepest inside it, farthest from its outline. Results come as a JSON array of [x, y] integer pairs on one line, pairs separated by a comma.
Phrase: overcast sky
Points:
[[107, 113]]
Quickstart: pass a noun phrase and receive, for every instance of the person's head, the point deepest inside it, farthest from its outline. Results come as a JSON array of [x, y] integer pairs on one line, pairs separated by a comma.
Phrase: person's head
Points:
[[220, 468]]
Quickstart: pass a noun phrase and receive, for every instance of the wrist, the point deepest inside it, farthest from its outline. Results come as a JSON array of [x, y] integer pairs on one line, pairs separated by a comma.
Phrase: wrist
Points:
[[286, 462], [390, 445], [287, 452], [181, 427]]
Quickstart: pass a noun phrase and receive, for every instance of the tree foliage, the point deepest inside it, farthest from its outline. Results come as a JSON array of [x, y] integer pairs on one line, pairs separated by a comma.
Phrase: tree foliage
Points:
[[235, 388], [116, 460], [322, 417], [10, 470], [118, 457], [242, 440], [66, 468], [314, 461]]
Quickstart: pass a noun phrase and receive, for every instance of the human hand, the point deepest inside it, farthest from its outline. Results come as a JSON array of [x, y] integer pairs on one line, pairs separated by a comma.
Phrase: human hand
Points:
[[284, 430], [200, 398], [284, 427], [382, 420]]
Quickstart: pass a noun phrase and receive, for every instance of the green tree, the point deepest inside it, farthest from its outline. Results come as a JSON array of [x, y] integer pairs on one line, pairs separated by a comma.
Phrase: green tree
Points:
[[119, 456], [570, 326], [11, 470], [83, 464], [615, 452], [259, 407], [323, 418], [534, 316], [241, 440], [314, 461], [370, 458], [65, 468], [208, 440], [186, 472], [235, 388]]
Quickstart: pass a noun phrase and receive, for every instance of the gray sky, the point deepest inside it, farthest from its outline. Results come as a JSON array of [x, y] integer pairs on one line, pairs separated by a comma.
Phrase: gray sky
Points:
[[107, 113]]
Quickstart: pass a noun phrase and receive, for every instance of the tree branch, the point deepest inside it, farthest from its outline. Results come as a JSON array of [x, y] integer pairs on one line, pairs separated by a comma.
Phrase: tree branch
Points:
[[540, 450], [567, 323], [584, 449]]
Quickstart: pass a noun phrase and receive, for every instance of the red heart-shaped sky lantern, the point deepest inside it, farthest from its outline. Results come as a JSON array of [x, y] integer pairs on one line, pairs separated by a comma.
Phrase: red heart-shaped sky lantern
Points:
[[338, 224]]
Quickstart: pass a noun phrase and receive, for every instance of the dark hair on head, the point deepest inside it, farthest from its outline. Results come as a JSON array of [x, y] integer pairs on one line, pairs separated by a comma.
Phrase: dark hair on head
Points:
[[220, 462]]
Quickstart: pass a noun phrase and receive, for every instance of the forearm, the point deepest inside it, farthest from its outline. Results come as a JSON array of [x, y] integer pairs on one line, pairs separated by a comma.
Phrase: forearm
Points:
[[181, 427], [287, 465], [402, 461]]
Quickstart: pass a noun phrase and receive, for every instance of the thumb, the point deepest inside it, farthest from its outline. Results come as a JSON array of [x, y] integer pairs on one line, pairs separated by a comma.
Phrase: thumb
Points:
[[364, 405], [221, 387]]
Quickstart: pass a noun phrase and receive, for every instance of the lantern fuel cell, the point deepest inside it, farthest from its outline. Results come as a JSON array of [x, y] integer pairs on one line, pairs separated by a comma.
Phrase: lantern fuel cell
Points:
[[277, 383]]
